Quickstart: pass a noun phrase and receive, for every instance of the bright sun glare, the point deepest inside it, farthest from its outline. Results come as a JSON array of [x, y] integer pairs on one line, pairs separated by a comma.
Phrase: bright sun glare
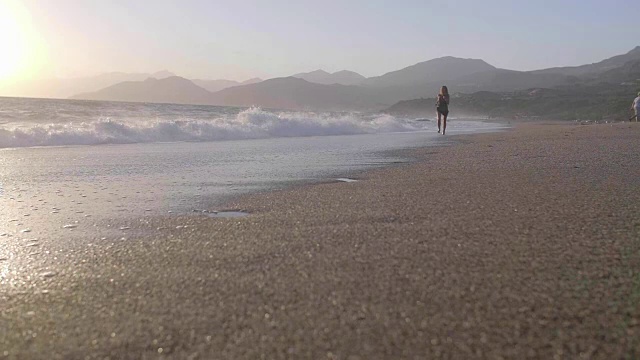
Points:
[[18, 50]]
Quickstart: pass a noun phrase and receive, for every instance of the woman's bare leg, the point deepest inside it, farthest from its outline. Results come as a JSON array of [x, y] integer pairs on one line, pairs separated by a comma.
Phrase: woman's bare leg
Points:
[[444, 123], [439, 115]]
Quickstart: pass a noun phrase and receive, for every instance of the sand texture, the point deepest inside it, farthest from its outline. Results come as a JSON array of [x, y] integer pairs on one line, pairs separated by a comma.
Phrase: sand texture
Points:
[[521, 244]]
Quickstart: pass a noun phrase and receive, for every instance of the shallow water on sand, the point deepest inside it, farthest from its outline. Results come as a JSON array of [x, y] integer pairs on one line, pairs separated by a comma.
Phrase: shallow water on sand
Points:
[[44, 188], [60, 202]]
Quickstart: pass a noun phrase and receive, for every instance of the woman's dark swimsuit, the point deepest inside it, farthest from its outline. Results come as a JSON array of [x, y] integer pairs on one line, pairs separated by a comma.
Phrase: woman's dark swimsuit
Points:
[[442, 107]]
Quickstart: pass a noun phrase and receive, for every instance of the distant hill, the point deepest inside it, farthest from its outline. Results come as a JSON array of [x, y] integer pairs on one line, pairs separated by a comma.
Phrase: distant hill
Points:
[[506, 80], [174, 90], [221, 84], [64, 88], [215, 85], [627, 74], [595, 68], [343, 77], [163, 74], [346, 77], [317, 76], [439, 70], [251, 81], [294, 93]]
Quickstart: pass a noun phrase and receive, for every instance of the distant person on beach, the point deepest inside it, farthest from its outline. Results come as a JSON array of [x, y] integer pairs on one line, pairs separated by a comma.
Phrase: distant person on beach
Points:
[[636, 107], [442, 106]]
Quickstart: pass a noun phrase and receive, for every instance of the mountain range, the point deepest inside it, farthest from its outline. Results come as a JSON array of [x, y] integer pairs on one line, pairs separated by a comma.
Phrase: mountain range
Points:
[[439, 70], [64, 88], [173, 90], [344, 77], [221, 84], [68, 87], [595, 68], [346, 90]]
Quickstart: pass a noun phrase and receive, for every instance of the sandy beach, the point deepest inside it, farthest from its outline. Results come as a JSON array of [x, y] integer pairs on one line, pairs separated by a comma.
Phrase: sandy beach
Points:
[[518, 244]]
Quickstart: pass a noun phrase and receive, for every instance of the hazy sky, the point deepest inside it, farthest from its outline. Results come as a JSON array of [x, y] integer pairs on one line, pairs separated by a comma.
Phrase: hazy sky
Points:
[[245, 38]]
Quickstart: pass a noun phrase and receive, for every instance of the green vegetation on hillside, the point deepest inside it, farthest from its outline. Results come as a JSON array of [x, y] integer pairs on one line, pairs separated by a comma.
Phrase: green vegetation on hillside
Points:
[[604, 97]]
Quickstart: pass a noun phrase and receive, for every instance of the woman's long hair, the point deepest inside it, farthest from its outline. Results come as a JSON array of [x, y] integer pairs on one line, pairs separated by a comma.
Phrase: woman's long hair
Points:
[[444, 91]]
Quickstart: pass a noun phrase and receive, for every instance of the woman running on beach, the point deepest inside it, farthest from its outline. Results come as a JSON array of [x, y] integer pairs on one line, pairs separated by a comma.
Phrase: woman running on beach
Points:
[[442, 106]]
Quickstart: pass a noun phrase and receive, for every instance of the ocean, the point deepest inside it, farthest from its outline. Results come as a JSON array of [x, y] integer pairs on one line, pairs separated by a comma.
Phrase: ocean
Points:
[[68, 165]]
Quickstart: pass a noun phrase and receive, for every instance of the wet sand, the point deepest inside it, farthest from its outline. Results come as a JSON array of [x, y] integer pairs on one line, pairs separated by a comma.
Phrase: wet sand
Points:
[[521, 244]]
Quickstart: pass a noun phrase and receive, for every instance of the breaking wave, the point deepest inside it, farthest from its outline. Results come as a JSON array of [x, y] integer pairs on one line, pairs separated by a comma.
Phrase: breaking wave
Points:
[[253, 123]]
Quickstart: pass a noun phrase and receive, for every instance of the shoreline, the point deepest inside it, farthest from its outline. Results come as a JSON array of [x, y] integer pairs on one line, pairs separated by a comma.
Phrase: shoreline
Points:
[[519, 243], [405, 157]]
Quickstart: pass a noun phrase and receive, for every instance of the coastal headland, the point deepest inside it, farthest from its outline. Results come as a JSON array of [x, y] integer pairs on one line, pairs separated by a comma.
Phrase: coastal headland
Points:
[[517, 244]]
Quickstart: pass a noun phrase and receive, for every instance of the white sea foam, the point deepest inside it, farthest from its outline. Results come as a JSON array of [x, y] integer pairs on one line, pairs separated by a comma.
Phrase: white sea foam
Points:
[[253, 123]]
